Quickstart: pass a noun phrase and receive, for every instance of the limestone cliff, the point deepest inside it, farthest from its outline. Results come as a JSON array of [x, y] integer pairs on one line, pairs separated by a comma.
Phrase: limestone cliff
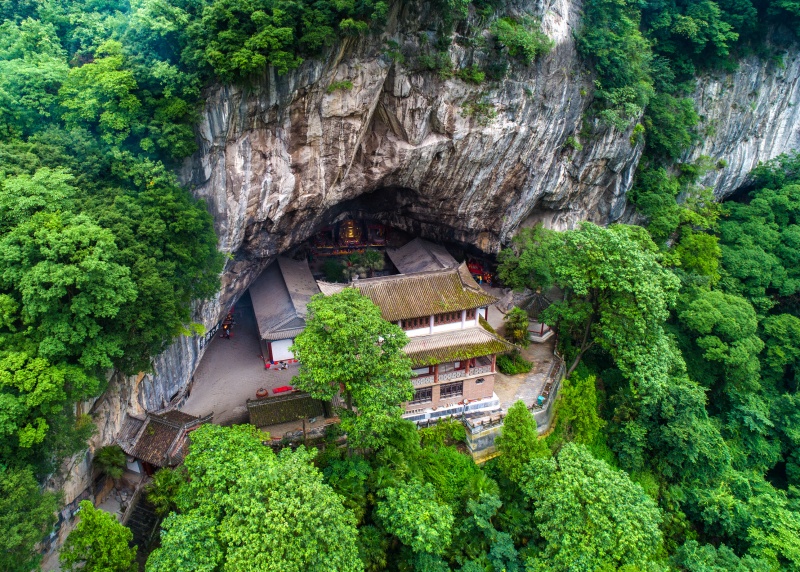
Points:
[[288, 154]]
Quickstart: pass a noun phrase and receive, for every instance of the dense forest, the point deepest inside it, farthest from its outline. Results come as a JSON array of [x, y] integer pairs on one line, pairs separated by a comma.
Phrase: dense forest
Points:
[[677, 444]]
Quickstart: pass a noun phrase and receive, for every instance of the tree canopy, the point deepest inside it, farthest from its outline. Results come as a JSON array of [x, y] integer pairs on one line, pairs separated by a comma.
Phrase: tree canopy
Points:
[[347, 346], [242, 507], [98, 543]]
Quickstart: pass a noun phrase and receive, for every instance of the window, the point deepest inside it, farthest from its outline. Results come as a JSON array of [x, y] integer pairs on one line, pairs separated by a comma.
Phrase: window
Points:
[[448, 390], [450, 366], [479, 381], [448, 318], [422, 395], [421, 371], [416, 323], [471, 314]]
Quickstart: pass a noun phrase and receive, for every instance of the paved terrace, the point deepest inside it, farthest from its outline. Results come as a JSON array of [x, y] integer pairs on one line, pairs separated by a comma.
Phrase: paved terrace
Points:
[[232, 370]]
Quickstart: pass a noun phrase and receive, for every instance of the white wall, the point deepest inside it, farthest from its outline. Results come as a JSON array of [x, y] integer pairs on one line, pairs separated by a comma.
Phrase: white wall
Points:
[[447, 327], [418, 332], [280, 350]]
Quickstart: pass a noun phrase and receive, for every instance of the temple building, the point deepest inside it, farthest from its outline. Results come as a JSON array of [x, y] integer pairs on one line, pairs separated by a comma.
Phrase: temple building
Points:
[[280, 296], [158, 440], [435, 300], [453, 356]]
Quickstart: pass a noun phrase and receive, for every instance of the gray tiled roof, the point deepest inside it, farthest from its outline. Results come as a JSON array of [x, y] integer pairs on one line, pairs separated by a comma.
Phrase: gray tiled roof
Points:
[[280, 298], [160, 438], [421, 256]]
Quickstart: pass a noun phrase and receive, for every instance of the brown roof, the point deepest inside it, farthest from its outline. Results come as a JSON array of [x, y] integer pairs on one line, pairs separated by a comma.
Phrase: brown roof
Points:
[[161, 438], [407, 296], [280, 298], [453, 346], [421, 256]]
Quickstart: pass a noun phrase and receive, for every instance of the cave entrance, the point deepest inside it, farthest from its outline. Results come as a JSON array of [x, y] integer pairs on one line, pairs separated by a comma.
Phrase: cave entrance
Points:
[[354, 249]]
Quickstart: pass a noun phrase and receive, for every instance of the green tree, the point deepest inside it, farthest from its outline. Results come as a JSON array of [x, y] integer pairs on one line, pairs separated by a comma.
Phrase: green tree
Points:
[[63, 272], [516, 322], [33, 395], [589, 516], [616, 296], [33, 66], [26, 517], [98, 544], [373, 260], [110, 460], [162, 491], [411, 512], [577, 409], [347, 346], [519, 442], [243, 507], [102, 95]]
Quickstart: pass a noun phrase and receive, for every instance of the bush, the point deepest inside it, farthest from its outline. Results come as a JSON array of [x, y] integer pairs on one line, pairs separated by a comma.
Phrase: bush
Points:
[[333, 270], [512, 364], [471, 74], [523, 38], [345, 85]]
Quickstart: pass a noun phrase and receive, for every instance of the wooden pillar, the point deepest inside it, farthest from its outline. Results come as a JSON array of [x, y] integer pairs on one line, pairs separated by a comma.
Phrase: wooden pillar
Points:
[[436, 373], [466, 368], [494, 361]]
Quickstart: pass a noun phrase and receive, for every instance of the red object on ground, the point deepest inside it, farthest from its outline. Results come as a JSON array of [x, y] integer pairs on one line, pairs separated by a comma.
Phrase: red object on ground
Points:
[[266, 365], [283, 389]]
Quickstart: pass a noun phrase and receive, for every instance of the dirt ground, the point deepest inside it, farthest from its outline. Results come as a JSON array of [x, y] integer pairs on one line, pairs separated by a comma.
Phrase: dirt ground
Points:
[[232, 370]]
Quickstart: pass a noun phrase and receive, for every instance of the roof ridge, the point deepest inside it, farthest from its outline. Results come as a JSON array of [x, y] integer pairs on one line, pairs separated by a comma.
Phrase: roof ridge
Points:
[[421, 274]]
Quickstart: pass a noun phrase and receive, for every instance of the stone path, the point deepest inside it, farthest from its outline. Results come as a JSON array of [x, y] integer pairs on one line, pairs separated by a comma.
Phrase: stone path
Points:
[[526, 386], [231, 372]]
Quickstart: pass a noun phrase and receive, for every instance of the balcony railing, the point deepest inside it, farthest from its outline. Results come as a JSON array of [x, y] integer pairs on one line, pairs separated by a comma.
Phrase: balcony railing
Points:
[[480, 369], [455, 374], [422, 380]]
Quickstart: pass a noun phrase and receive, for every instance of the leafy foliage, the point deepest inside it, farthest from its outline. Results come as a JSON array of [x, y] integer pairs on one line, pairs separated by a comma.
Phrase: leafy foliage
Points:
[[98, 544], [516, 323], [519, 443], [346, 345], [243, 507], [26, 517], [523, 38], [589, 516]]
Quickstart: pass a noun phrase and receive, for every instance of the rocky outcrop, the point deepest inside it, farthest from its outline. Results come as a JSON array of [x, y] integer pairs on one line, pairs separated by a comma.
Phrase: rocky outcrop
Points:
[[364, 133], [747, 116]]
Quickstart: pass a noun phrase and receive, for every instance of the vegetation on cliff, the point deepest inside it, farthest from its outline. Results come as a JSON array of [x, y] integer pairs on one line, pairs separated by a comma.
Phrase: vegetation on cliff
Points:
[[678, 438]]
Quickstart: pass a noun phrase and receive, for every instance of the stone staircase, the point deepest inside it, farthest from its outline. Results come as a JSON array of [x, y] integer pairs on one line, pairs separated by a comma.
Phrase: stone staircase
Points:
[[143, 522]]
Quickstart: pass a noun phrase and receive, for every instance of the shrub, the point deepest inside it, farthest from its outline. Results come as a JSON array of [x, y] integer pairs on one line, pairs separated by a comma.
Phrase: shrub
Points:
[[512, 364], [471, 74], [483, 111], [523, 38], [337, 85]]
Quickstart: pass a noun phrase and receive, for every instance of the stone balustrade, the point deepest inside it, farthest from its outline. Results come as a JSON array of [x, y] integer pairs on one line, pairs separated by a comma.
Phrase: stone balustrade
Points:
[[450, 375], [480, 369], [422, 380]]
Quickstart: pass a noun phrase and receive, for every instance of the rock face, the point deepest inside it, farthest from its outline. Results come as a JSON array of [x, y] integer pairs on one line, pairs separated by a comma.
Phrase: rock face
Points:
[[747, 116], [362, 133]]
